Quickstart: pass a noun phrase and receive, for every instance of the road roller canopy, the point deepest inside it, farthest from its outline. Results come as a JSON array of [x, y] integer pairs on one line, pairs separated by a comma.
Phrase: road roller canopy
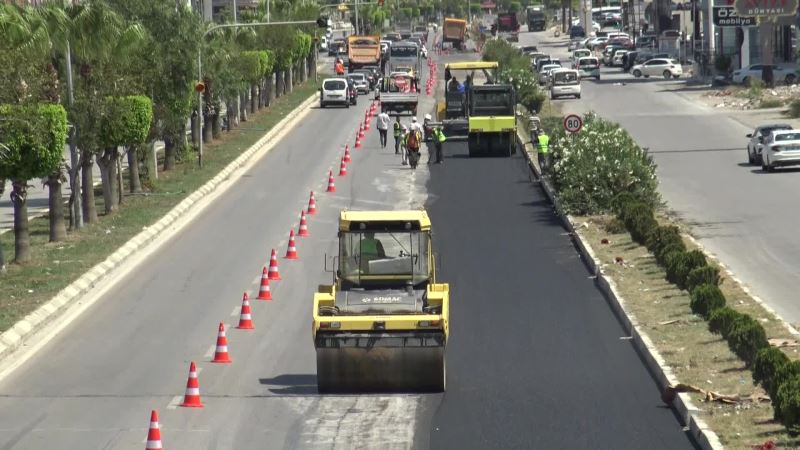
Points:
[[384, 220], [488, 69]]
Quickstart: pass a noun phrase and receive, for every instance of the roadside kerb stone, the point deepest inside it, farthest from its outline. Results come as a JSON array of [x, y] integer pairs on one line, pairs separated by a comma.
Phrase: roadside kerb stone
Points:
[[15, 336], [703, 435]]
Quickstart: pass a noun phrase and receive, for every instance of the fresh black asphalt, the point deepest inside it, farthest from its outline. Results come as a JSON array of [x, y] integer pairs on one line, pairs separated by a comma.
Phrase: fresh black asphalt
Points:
[[536, 358]]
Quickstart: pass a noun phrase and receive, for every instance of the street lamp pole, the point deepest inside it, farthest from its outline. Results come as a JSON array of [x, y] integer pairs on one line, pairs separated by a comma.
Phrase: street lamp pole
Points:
[[200, 68]]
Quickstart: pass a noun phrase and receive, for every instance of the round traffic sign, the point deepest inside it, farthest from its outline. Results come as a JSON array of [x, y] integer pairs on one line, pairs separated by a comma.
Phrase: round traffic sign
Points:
[[573, 123]]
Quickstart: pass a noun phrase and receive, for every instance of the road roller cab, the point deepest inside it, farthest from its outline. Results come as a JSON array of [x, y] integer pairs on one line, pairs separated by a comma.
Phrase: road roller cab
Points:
[[382, 325]]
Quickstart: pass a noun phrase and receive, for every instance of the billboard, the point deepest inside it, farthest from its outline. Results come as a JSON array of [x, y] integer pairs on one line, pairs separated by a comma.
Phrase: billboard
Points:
[[766, 8], [726, 16]]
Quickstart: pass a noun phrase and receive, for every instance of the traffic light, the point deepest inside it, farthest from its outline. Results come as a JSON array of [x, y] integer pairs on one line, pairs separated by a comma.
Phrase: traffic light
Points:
[[199, 87], [323, 22]]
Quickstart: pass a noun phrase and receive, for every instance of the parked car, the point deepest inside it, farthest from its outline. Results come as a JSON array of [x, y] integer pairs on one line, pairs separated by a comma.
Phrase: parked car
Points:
[[334, 91], [596, 43], [617, 59], [589, 66], [781, 148], [543, 72], [757, 138], [360, 81], [564, 82], [608, 54], [668, 68], [576, 31], [753, 72]]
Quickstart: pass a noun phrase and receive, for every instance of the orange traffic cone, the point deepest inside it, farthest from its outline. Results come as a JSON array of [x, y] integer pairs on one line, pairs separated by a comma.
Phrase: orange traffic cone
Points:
[[291, 249], [221, 355], [191, 399], [342, 168], [273, 266], [312, 204], [302, 230], [245, 319], [347, 154], [331, 186], [358, 142], [263, 291], [154, 433]]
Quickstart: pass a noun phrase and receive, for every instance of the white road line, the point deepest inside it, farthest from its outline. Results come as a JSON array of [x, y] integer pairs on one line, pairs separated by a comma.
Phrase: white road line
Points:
[[210, 351], [236, 311], [173, 404]]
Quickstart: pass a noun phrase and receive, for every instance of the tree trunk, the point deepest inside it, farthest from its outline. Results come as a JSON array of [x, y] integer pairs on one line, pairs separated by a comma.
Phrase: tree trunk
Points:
[[231, 114], [195, 124], [22, 236], [108, 175], [119, 182], [287, 84], [238, 112], [270, 89], [253, 99], [87, 177], [216, 122], [169, 152], [207, 124], [305, 70], [58, 227], [278, 83], [262, 93], [135, 184], [243, 105]]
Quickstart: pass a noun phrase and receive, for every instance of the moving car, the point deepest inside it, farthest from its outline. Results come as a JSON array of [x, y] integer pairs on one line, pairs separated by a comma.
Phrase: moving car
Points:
[[369, 74], [668, 68], [323, 44], [578, 54], [334, 91], [617, 59], [576, 31], [544, 72], [757, 138], [360, 81], [544, 61], [753, 72], [588, 66], [781, 148], [564, 83]]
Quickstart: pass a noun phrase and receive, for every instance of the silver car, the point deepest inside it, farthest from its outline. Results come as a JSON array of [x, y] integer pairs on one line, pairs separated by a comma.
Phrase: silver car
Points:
[[360, 81], [757, 138]]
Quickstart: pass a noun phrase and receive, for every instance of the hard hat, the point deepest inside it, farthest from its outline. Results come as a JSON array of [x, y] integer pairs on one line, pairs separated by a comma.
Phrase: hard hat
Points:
[[413, 119], [427, 117]]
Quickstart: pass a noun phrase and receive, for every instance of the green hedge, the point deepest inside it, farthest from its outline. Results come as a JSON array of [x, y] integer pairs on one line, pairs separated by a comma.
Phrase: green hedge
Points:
[[127, 120], [34, 137], [702, 274], [705, 299]]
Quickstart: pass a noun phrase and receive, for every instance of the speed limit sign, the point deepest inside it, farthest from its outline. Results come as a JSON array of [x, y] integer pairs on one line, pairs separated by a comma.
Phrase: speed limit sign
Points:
[[573, 123]]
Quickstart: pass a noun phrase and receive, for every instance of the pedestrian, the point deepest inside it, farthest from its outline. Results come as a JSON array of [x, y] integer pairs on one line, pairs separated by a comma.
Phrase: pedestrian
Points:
[[438, 143], [383, 127], [544, 152], [398, 135], [413, 144], [404, 146]]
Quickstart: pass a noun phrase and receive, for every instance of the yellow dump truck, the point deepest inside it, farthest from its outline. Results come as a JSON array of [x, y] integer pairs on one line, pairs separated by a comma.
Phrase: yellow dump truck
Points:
[[382, 325], [363, 51], [454, 31]]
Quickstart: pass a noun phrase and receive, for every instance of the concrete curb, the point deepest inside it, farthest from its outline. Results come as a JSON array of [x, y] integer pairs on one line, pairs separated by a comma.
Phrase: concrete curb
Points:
[[15, 336], [703, 435]]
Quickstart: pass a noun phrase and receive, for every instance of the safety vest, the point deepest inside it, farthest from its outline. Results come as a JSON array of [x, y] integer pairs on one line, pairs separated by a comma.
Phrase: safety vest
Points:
[[544, 141], [439, 134], [339, 69], [397, 129]]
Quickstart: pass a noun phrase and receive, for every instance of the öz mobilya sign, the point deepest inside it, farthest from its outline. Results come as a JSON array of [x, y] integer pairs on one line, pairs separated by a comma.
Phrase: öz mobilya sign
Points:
[[766, 8]]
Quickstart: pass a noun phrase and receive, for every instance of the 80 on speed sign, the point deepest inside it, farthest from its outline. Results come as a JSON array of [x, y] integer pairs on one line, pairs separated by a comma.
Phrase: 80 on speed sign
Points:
[[573, 123]]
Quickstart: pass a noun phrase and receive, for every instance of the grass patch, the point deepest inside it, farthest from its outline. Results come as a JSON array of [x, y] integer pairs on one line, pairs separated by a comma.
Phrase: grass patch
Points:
[[55, 265], [695, 355], [771, 103]]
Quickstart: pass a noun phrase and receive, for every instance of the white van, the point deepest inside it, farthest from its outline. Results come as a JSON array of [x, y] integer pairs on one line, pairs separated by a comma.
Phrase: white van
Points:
[[565, 83]]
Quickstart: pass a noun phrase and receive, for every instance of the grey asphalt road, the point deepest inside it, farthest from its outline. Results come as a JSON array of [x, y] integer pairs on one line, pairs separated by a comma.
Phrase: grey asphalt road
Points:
[[94, 385], [536, 358], [740, 214]]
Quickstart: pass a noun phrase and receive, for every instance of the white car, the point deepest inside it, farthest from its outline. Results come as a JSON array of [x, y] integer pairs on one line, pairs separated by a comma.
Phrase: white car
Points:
[[564, 83], [333, 92], [617, 60], [543, 72], [668, 68], [596, 42], [757, 138], [578, 54], [323, 44], [360, 80], [781, 148], [753, 72]]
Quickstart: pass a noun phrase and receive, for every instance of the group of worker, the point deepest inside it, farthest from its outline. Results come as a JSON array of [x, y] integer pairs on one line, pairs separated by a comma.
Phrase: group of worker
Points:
[[409, 139]]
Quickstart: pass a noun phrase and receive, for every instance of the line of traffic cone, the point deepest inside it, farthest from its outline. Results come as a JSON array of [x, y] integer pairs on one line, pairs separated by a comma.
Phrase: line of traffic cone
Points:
[[273, 272], [263, 289], [245, 318], [312, 203], [331, 185], [302, 230], [342, 168], [154, 433], [221, 355], [191, 399], [358, 141], [347, 153], [291, 247]]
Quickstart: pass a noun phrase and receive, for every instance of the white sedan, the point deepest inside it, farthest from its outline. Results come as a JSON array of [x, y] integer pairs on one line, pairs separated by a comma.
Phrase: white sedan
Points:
[[668, 68], [544, 72], [617, 59], [753, 72], [782, 148]]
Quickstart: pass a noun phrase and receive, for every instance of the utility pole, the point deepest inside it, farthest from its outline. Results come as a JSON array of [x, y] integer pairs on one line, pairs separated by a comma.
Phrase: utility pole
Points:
[[356, 17], [235, 11], [267, 11]]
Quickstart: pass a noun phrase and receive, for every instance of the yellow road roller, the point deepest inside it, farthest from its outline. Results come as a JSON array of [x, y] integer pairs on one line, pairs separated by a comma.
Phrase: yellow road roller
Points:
[[382, 325]]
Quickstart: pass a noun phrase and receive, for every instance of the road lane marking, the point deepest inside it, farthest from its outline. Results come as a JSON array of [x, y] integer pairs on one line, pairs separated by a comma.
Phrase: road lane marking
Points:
[[236, 311], [173, 404], [210, 351]]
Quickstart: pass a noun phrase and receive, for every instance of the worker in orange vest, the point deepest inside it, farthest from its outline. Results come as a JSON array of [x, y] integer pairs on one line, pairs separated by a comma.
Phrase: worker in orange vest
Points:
[[339, 67]]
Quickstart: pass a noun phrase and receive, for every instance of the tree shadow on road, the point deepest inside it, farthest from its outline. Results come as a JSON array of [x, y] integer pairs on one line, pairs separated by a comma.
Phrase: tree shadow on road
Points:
[[292, 384]]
